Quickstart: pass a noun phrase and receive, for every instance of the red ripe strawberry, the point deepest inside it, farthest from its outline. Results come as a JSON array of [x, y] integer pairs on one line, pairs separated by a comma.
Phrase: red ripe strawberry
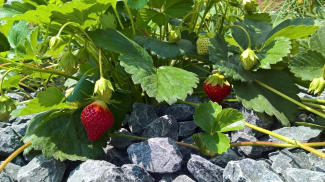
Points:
[[97, 119], [217, 88]]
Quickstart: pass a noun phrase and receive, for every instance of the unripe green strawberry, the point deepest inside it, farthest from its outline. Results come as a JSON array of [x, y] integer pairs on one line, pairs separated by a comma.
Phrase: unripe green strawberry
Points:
[[317, 86], [174, 36], [82, 55], [68, 62], [75, 103], [7, 105], [104, 89], [250, 6], [42, 47], [96, 119], [203, 42], [248, 59], [217, 87], [55, 42]]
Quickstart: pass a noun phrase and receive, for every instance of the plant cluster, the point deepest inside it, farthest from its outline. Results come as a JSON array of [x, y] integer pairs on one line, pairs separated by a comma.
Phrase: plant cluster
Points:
[[89, 61]]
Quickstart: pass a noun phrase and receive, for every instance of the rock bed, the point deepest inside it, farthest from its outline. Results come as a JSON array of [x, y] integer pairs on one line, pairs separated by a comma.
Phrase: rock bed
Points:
[[161, 159]]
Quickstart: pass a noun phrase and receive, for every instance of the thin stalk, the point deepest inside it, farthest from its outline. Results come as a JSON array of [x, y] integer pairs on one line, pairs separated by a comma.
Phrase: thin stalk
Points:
[[61, 29], [2, 79], [314, 105], [290, 99], [230, 100], [188, 103], [100, 63], [27, 86], [198, 67], [248, 37], [26, 97], [130, 15], [118, 18], [13, 155], [312, 100]]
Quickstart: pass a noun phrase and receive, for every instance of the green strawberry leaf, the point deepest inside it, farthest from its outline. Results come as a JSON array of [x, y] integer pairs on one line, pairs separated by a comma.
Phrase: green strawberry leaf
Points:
[[256, 97], [217, 143], [11, 79], [307, 65], [17, 34], [178, 8], [229, 120], [14, 8], [137, 4], [257, 31], [293, 32], [60, 134], [259, 16], [83, 89], [52, 98], [291, 22], [146, 16], [317, 40], [274, 52], [164, 49], [4, 46], [164, 83], [206, 114]]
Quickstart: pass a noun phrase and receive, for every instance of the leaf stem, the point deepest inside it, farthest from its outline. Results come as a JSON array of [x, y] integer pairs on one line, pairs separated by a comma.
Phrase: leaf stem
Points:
[[290, 99], [198, 67], [188, 103], [118, 17], [13, 155], [313, 100], [248, 37], [2, 79], [100, 63], [130, 15]]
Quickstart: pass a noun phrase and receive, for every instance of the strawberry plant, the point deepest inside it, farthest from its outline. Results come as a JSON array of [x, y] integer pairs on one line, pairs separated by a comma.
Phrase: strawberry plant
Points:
[[89, 61]]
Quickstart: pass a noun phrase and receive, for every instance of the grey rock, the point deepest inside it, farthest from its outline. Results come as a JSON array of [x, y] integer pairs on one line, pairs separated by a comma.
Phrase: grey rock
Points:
[[9, 141], [301, 133], [156, 155], [20, 129], [126, 120], [256, 118], [4, 177], [4, 125], [161, 109], [22, 119], [165, 126], [16, 97], [96, 170], [181, 112], [284, 159], [249, 170], [19, 161], [142, 115], [204, 170], [168, 177], [115, 157], [317, 162], [42, 169], [183, 178], [186, 128], [303, 175], [223, 159], [249, 151], [136, 173], [11, 170], [193, 98], [122, 142]]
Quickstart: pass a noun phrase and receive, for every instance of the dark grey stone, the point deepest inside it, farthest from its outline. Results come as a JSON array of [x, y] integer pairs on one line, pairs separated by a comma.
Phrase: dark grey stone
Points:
[[165, 126], [303, 175], [301, 133], [161, 109], [20, 129], [256, 118], [156, 155], [317, 162], [136, 173], [183, 178], [19, 161], [115, 157], [22, 119], [42, 169], [126, 120], [186, 128], [223, 159], [11, 170], [204, 170], [9, 141], [96, 170], [4, 177], [193, 98], [249, 151], [4, 125], [249, 170], [284, 159], [181, 112], [186, 152], [122, 142], [15, 97], [142, 115]]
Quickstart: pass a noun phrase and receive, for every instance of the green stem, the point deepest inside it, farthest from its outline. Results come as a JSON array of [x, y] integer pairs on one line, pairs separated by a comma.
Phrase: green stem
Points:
[[69, 43], [198, 67], [290, 99], [130, 15], [61, 29], [26, 97], [118, 18], [188, 103], [2, 79], [314, 105], [249, 38], [100, 63], [312, 100], [13, 155]]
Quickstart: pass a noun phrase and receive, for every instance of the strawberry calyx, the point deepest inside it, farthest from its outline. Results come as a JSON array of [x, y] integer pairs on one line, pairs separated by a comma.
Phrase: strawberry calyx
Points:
[[104, 89], [217, 79]]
